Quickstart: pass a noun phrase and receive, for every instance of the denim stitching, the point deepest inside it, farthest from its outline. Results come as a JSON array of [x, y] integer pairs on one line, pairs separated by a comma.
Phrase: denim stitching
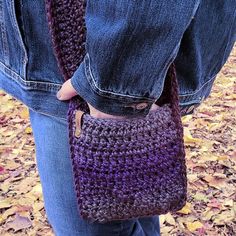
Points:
[[102, 92], [59, 118], [28, 84], [4, 35], [16, 28], [196, 91]]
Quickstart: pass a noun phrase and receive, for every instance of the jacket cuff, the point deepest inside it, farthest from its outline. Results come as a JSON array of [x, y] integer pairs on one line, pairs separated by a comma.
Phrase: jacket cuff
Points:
[[122, 105]]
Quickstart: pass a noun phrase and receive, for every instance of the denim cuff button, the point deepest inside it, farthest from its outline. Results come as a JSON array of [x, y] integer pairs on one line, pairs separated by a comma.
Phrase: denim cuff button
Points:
[[141, 106]]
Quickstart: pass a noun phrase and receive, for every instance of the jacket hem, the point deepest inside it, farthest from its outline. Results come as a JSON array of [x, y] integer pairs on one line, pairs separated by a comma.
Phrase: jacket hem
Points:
[[41, 97], [30, 91]]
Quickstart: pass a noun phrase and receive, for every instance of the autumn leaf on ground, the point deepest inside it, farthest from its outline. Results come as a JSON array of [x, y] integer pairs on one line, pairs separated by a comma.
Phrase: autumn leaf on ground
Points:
[[210, 141]]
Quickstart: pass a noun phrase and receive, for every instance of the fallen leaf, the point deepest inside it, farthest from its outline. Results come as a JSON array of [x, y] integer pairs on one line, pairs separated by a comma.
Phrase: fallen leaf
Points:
[[189, 140], [20, 222], [169, 219], [9, 212], [28, 130], [215, 182], [186, 209], [192, 226], [214, 203], [24, 113], [224, 217], [5, 203], [12, 165], [200, 197]]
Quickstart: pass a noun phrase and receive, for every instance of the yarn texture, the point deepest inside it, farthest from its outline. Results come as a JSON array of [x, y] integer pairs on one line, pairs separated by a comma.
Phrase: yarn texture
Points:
[[130, 168], [123, 169]]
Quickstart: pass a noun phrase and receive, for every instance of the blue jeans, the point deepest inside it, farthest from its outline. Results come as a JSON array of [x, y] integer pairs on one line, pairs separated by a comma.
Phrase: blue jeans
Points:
[[55, 171]]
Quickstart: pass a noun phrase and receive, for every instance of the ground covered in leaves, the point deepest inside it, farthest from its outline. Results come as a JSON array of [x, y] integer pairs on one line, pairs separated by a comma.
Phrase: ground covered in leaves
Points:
[[210, 139]]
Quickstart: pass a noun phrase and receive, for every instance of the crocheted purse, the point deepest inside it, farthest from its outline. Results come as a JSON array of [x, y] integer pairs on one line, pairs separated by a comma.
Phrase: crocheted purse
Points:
[[128, 168], [122, 169]]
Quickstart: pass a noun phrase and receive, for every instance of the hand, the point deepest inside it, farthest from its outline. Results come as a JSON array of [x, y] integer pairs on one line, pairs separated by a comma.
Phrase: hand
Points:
[[67, 91]]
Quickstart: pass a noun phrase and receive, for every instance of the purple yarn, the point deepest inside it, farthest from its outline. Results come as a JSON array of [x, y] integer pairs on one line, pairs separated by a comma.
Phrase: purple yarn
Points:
[[68, 32], [122, 169], [129, 168]]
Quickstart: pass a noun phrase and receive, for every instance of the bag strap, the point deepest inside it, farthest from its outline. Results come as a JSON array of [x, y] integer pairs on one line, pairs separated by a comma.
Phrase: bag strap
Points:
[[174, 98]]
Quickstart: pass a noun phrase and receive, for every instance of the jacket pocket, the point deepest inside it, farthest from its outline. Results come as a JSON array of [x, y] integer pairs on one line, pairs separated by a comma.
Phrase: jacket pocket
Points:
[[13, 54], [4, 48]]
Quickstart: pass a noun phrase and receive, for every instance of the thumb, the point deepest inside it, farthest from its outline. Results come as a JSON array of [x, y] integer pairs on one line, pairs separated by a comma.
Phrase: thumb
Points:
[[67, 91]]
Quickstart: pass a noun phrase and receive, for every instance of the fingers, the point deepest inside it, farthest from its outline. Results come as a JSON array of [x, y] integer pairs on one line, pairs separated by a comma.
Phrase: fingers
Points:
[[67, 91], [98, 114]]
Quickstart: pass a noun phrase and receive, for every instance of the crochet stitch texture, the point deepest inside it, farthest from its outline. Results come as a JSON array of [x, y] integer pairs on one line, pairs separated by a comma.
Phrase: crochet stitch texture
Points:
[[122, 169], [128, 168]]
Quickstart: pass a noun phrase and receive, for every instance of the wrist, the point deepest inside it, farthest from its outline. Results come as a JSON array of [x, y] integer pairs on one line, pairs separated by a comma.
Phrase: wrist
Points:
[[99, 114]]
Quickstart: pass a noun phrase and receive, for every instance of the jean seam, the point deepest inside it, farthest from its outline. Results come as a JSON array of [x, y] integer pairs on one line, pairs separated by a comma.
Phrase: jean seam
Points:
[[105, 93], [47, 114], [17, 29], [4, 36], [32, 84], [198, 90]]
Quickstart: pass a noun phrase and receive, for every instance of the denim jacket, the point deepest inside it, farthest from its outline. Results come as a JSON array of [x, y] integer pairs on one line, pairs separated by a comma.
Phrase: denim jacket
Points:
[[129, 47]]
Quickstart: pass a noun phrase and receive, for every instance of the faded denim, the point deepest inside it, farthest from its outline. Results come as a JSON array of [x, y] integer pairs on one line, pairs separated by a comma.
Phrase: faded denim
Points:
[[129, 48], [130, 45]]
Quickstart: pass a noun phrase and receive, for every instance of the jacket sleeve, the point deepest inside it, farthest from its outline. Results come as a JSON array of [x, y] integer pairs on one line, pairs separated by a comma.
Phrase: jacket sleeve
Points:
[[130, 45]]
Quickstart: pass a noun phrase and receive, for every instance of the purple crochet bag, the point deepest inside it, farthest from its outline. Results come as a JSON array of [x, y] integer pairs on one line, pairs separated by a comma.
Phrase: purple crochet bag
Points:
[[129, 168], [122, 169]]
